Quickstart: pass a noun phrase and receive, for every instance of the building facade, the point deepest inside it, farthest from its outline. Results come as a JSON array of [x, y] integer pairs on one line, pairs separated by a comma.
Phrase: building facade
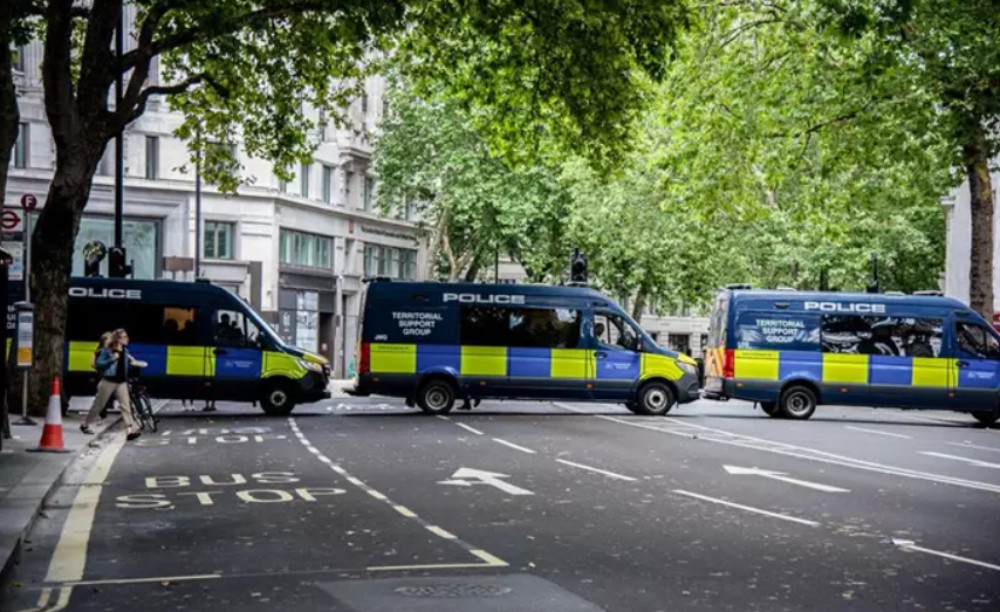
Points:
[[296, 251], [958, 219]]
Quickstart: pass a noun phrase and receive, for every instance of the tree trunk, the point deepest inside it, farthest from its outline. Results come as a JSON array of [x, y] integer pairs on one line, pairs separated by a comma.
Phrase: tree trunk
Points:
[[981, 201], [51, 264], [10, 116], [640, 303]]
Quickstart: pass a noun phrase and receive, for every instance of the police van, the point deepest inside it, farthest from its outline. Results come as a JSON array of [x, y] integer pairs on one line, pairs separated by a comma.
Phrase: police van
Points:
[[199, 341], [790, 351], [433, 343]]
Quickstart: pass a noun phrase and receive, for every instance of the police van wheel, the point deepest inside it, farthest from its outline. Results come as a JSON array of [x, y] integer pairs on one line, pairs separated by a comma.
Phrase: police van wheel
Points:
[[277, 400], [798, 402], [770, 409], [436, 396], [988, 419], [655, 399]]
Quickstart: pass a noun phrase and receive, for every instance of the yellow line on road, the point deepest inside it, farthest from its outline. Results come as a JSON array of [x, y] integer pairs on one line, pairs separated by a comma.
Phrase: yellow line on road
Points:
[[441, 532], [439, 566], [490, 560], [145, 580]]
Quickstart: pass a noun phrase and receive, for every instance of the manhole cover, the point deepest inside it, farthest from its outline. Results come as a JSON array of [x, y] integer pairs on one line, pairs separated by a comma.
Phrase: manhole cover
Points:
[[452, 591]]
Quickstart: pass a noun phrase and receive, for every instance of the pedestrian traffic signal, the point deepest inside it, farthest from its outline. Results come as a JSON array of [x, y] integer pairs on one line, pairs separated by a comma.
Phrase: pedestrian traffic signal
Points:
[[578, 268], [117, 268]]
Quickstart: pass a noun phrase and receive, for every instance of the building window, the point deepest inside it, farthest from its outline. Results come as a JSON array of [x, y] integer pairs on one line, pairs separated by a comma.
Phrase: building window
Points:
[[369, 188], [282, 186], [409, 270], [371, 260], [152, 157], [304, 180], [327, 184], [348, 183], [364, 102], [411, 209], [18, 62], [141, 240], [680, 343], [306, 250], [218, 240], [390, 262], [21, 146]]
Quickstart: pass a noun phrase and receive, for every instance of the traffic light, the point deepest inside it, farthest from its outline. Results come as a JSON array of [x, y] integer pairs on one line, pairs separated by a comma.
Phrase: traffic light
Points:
[[117, 268], [93, 254], [578, 268]]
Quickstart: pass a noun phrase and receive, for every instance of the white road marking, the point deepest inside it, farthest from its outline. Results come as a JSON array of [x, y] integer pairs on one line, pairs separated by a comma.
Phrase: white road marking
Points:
[[491, 561], [439, 566], [466, 477], [598, 470], [976, 446], [443, 533], [741, 471], [471, 429], [910, 545], [975, 462], [145, 580], [723, 502], [881, 433], [514, 446], [720, 436], [70, 556]]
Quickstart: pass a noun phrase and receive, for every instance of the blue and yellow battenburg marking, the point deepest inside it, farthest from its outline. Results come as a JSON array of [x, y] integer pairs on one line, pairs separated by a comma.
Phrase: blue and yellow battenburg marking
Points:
[[846, 369], [518, 362]]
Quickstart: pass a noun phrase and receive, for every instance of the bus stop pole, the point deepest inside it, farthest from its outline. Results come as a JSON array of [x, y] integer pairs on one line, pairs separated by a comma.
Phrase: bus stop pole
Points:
[[26, 267]]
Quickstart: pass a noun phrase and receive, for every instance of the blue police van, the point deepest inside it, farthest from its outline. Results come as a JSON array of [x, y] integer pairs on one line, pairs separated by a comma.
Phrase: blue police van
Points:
[[790, 351], [433, 343]]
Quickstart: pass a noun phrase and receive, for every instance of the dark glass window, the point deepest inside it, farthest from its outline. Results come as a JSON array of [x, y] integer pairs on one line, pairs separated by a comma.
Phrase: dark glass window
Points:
[[771, 331], [974, 339], [485, 326], [615, 332], [889, 336], [145, 323], [232, 328], [544, 328]]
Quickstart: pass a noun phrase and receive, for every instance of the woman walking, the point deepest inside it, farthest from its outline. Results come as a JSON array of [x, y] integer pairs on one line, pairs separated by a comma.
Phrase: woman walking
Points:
[[113, 362]]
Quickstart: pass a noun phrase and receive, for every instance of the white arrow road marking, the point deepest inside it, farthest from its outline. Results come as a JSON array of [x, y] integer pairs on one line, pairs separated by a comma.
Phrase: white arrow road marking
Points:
[[741, 471], [464, 477], [911, 545], [975, 462]]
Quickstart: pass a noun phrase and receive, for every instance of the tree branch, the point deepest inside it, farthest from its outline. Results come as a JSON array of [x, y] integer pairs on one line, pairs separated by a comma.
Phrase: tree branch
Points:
[[157, 90], [57, 73]]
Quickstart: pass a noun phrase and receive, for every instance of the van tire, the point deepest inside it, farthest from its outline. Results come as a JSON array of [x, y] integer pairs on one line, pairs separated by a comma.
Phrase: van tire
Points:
[[277, 399], [770, 409], [436, 396], [654, 399], [988, 418], [797, 402]]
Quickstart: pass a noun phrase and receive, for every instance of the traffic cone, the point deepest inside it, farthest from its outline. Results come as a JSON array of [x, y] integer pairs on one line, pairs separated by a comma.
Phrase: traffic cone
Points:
[[52, 433]]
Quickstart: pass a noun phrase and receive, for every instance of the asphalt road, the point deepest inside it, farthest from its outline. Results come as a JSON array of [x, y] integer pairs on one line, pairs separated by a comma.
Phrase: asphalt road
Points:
[[365, 505]]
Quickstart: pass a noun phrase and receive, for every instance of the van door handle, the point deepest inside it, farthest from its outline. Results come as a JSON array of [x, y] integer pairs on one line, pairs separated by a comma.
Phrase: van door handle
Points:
[[219, 351], [963, 364], [601, 354]]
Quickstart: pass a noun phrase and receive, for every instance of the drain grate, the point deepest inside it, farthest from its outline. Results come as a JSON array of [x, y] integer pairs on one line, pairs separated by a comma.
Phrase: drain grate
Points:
[[453, 591]]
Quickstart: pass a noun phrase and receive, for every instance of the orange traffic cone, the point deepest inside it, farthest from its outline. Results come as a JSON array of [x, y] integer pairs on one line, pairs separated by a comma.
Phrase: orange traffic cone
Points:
[[52, 433]]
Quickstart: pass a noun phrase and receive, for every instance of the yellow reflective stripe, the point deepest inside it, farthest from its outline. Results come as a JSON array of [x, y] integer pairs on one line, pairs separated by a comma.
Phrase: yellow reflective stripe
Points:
[[274, 363], [756, 365], [393, 358], [190, 361], [934, 372], [481, 360], [660, 366], [844, 368], [80, 354], [572, 363]]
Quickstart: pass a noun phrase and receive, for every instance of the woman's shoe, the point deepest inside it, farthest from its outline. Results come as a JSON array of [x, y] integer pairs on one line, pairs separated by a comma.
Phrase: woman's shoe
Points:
[[86, 430], [133, 435]]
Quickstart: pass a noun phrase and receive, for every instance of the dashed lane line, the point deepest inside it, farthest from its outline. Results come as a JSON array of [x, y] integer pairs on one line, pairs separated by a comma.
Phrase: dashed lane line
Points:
[[487, 559], [879, 432], [975, 446], [514, 446], [912, 546], [751, 509], [720, 436], [598, 470], [469, 429]]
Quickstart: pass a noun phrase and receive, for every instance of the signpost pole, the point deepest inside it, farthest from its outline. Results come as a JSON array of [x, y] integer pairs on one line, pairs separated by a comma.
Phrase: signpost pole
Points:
[[22, 349], [28, 203]]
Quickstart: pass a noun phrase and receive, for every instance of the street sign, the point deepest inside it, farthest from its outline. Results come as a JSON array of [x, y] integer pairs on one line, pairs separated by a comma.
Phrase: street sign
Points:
[[11, 221], [466, 477], [741, 471], [29, 202]]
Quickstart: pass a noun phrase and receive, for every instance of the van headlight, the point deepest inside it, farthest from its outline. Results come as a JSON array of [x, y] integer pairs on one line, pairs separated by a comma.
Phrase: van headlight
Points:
[[312, 367], [688, 368]]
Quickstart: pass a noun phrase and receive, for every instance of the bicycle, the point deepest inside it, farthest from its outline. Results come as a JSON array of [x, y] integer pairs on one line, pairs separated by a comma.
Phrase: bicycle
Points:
[[141, 404]]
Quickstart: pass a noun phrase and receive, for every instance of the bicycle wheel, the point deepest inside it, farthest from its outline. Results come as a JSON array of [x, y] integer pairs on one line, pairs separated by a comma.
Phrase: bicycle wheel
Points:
[[144, 411]]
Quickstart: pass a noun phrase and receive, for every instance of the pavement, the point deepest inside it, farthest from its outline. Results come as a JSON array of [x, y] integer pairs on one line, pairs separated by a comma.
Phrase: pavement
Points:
[[362, 504]]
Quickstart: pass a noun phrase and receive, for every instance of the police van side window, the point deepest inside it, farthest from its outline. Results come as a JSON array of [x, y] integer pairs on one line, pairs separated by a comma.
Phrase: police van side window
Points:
[[482, 326], [974, 339], [544, 328], [613, 331], [145, 323], [881, 335], [232, 328]]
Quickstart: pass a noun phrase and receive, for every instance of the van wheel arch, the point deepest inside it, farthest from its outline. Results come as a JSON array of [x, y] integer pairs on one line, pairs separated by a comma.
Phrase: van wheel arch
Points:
[[801, 382]]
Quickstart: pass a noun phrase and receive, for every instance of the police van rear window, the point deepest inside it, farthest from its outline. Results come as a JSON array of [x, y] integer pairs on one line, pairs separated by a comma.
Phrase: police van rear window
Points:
[[777, 331]]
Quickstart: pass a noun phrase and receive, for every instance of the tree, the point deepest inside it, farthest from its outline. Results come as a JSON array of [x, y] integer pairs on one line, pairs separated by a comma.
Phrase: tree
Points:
[[245, 67], [948, 50]]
